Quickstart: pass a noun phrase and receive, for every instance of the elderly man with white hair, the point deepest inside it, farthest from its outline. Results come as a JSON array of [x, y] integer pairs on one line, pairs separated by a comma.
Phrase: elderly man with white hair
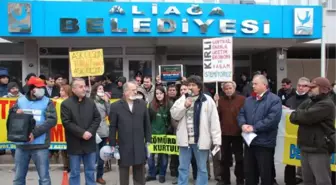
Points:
[[292, 103], [261, 115], [232, 142]]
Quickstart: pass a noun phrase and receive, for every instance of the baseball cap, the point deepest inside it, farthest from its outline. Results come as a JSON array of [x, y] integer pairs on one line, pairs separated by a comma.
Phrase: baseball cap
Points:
[[321, 82], [35, 81]]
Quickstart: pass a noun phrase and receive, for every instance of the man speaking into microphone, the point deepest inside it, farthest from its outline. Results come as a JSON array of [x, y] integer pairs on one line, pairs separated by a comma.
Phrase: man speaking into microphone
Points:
[[198, 127]]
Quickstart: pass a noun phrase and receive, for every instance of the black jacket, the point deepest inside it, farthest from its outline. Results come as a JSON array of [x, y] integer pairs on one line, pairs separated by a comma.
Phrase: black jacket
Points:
[[134, 130], [309, 116], [78, 117], [55, 92], [294, 101], [286, 94]]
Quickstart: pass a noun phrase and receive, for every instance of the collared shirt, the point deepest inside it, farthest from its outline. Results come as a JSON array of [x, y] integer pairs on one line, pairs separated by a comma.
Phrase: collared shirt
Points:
[[49, 89], [258, 97]]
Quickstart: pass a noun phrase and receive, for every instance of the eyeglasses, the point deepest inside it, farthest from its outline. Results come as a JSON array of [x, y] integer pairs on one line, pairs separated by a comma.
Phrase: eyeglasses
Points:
[[302, 85]]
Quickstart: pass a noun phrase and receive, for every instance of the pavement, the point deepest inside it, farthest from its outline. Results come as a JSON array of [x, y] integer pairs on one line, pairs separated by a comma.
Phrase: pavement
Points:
[[56, 174]]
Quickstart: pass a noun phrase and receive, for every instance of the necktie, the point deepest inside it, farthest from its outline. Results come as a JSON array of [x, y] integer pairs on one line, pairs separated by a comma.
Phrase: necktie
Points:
[[258, 97]]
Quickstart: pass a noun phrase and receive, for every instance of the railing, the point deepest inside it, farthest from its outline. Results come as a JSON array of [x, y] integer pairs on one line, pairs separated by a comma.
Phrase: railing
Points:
[[331, 4]]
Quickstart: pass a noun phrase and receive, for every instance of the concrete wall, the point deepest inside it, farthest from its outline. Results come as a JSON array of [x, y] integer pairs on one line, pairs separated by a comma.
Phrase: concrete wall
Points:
[[309, 68]]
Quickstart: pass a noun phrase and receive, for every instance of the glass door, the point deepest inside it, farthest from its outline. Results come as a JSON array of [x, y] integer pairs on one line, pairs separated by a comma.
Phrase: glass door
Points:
[[14, 68], [139, 65]]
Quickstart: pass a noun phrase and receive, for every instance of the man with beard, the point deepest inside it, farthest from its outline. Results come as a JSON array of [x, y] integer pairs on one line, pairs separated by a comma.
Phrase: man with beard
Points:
[[131, 118], [292, 103], [316, 120]]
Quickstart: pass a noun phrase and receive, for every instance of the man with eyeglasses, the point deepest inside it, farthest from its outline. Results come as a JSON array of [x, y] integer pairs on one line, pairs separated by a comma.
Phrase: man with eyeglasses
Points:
[[292, 103]]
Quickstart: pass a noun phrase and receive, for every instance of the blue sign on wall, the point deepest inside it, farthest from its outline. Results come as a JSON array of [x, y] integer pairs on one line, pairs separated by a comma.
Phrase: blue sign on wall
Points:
[[113, 19]]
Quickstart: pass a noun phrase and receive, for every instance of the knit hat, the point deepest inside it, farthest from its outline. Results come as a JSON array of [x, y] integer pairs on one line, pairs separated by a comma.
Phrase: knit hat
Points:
[[3, 72], [11, 85], [322, 83]]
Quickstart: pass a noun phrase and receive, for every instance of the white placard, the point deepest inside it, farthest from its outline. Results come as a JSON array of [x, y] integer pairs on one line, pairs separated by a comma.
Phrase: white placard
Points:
[[217, 59]]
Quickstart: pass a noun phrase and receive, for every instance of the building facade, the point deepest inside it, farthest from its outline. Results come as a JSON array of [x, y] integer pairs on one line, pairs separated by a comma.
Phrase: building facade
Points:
[[140, 36]]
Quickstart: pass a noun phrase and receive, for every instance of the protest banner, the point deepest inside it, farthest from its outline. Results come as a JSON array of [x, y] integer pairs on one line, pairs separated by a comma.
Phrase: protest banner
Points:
[[163, 144], [57, 135], [217, 59], [87, 63], [170, 73], [286, 151]]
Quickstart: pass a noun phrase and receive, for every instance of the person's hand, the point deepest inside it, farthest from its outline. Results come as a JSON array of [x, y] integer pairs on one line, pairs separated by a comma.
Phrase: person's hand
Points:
[[216, 97], [188, 102], [245, 128], [106, 98], [56, 97], [19, 111], [284, 107], [31, 137], [87, 135], [250, 129]]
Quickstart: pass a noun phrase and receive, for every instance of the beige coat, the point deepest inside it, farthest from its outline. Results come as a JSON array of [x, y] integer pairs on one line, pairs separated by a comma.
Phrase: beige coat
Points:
[[209, 130]]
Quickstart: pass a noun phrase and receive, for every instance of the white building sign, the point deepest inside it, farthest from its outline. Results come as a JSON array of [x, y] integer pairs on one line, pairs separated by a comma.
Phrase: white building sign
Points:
[[217, 59], [303, 21]]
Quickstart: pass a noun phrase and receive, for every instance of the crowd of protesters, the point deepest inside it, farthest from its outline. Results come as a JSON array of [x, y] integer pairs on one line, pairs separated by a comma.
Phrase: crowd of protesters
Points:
[[201, 120]]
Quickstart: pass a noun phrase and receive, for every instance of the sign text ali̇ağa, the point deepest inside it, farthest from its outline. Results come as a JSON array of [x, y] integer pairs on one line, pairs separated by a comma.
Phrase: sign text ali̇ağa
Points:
[[166, 25]]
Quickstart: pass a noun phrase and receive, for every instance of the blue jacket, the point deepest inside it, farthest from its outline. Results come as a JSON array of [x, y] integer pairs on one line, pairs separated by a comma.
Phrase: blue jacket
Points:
[[3, 90], [264, 115]]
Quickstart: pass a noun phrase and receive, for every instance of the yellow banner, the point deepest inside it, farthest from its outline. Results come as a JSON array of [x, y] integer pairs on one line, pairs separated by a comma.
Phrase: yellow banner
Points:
[[87, 63], [291, 151], [163, 144], [57, 134]]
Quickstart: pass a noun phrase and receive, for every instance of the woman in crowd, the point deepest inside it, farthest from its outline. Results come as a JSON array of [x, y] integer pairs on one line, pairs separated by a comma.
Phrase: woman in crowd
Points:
[[103, 105], [159, 113], [65, 92]]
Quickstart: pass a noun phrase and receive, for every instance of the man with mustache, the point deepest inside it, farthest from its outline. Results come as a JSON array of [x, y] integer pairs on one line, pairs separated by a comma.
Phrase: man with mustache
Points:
[[130, 117]]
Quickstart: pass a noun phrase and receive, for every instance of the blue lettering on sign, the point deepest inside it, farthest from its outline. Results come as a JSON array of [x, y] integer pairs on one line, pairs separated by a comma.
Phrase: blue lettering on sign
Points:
[[295, 152]]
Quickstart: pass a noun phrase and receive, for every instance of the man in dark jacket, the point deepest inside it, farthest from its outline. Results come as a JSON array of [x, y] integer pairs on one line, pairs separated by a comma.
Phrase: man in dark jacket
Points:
[[25, 88], [53, 89], [292, 103], [261, 115], [81, 119], [37, 149], [4, 79], [286, 90], [232, 141], [117, 91], [131, 118], [316, 120]]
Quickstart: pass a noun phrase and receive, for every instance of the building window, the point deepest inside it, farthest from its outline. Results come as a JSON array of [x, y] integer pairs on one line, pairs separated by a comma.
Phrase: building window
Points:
[[54, 66], [14, 68], [113, 67]]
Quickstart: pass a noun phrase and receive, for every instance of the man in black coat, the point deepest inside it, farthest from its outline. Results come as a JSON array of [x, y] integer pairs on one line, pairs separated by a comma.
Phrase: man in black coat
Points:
[[130, 117], [81, 119], [292, 103], [316, 120]]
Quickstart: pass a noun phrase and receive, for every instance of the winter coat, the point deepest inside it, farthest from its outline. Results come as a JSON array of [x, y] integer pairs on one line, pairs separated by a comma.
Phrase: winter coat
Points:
[[134, 130], [160, 119], [264, 115], [294, 101], [103, 109], [78, 117], [228, 110], [309, 116], [284, 95], [209, 126]]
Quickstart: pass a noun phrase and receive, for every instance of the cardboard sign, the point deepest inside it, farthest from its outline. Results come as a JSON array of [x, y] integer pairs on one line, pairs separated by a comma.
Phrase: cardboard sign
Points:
[[87, 63], [217, 59]]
